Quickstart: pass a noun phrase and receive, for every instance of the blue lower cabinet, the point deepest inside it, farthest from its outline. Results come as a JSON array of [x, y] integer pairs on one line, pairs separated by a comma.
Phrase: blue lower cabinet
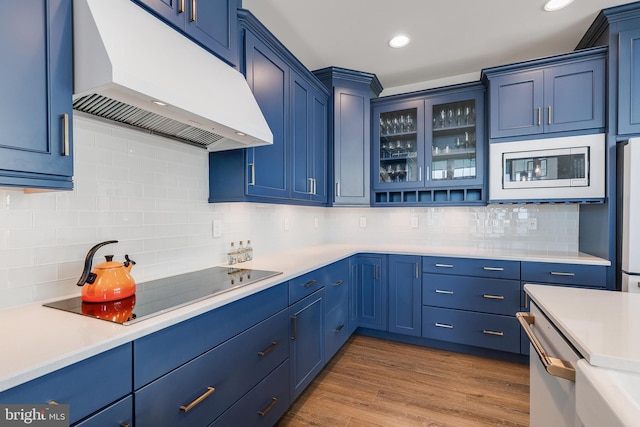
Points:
[[476, 329], [405, 295], [118, 414], [370, 281], [336, 330], [199, 391], [306, 341], [264, 405], [86, 386], [593, 276]]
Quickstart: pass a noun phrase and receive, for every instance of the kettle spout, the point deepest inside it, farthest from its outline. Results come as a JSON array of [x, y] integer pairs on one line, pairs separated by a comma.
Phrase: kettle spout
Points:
[[129, 263], [87, 276]]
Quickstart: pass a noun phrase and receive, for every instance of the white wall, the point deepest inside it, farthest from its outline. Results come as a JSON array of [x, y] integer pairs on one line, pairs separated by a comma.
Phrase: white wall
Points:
[[150, 194]]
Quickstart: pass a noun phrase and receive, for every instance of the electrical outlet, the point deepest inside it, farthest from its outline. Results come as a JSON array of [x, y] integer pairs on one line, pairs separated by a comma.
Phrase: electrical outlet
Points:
[[414, 222], [287, 224], [217, 228], [363, 222], [533, 224]]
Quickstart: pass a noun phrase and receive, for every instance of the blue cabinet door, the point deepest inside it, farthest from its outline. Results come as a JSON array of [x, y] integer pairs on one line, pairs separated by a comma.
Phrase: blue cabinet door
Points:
[[405, 295], [307, 341], [319, 141], [370, 279], [268, 78], [516, 101], [35, 121], [212, 23], [629, 82], [574, 96]]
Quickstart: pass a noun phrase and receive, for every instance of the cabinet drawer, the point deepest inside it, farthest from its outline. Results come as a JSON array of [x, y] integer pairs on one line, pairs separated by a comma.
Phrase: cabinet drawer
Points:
[[86, 386], [336, 330], [231, 369], [478, 329], [498, 269], [567, 274], [118, 414], [263, 405], [305, 285], [498, 296], [158, 353], [336, 284]]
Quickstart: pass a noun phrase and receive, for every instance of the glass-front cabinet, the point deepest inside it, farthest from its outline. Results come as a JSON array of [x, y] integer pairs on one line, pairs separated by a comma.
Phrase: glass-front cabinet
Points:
[[429, 148]]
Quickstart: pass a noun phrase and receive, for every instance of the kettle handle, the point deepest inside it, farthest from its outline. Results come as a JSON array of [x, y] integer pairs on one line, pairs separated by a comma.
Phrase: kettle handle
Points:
[[87, 276]]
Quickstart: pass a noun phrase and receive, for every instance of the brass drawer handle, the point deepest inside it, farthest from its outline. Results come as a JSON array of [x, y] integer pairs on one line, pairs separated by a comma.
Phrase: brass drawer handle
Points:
[[444, 325], [273, 403], [52, 402], [310, 283], [444, 265], [193, 11], [338, 283], [539, 116], [560, 273], [339, 328], [181, 6], [496, 333], [556, 367], [493, 296], [125, 424], [440, 291], [493, 268], [196, 402], [267, 350]]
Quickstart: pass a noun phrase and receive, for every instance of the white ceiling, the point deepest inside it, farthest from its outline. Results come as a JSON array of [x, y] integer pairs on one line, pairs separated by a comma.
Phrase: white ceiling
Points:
[[449, 37]]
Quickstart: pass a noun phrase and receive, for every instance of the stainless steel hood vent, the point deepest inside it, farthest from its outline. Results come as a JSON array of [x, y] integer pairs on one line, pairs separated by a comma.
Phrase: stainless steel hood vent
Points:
[[131, 68]]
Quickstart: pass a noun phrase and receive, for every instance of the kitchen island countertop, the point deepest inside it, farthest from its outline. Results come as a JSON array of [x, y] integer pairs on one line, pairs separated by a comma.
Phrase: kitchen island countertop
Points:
[[38, 340]]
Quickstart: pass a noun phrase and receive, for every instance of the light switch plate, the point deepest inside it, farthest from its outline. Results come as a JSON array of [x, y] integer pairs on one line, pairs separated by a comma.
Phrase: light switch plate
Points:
[[217, 228], [363, 222]]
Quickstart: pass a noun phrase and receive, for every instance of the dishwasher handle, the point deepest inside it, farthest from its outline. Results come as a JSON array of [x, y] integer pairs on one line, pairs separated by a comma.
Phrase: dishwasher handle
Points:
[[556, 367]]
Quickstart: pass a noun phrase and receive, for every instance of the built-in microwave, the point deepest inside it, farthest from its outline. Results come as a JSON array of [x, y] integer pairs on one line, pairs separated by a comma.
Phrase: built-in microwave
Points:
[[568, 168]]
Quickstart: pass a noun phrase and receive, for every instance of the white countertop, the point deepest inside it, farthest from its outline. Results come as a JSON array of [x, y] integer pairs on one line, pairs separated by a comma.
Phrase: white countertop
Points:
[[601, 325], [37, 340]]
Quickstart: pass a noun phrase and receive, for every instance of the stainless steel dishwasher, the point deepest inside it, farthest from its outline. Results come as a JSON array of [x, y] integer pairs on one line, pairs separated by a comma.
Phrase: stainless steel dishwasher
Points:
[[552, 361]]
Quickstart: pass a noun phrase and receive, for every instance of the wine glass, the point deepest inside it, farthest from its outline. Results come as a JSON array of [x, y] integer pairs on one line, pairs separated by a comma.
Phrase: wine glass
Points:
[[409, 122], [450, 116], [443, 118], [403, 125], [467, 114], [459, 116], [395, 125]]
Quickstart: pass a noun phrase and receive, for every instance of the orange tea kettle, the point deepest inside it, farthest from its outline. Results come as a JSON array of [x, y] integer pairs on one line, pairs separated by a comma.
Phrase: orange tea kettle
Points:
[[108, 281]]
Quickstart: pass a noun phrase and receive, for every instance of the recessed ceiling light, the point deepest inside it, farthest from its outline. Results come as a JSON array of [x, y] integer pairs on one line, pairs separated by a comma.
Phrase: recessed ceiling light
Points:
[[160, 103], [553, 5], [399, 41]]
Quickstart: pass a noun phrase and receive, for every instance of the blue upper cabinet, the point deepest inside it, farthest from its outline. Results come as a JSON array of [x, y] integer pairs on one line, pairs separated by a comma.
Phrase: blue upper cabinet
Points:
[[349, 147], [557, 94], [211, 23], [629, 82], [429, 147], [35, 125], [294, 103]]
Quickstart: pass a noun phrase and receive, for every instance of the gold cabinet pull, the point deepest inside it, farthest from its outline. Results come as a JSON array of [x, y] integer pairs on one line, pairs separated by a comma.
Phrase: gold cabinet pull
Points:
[[125, 424], [199, 400], [549, 114], [181, 6], [268, 349], [266, 410], [496, 333], [295, 327], [338, 283], [52, 402], [493, 268], [493, 296], [310, 283], [556, 367], [65, 134], [193, 11], [539, 116]]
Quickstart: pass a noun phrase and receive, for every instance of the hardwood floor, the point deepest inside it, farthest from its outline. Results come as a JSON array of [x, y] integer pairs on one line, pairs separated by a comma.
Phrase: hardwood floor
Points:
[[373, 382]]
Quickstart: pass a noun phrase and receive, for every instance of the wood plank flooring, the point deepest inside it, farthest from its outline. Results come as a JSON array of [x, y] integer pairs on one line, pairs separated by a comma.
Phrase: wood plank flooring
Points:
[[378, 383]]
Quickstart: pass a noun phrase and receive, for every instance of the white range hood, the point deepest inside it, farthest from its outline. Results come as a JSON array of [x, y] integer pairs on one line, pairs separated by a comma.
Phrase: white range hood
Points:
[[126, 62]]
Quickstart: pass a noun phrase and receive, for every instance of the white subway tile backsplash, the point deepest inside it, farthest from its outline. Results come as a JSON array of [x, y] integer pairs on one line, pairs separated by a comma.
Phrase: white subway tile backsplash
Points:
[[150, 194]]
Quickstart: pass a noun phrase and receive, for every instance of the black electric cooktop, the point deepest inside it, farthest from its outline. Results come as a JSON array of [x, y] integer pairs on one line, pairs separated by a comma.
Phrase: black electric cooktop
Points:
[[159, 296]]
